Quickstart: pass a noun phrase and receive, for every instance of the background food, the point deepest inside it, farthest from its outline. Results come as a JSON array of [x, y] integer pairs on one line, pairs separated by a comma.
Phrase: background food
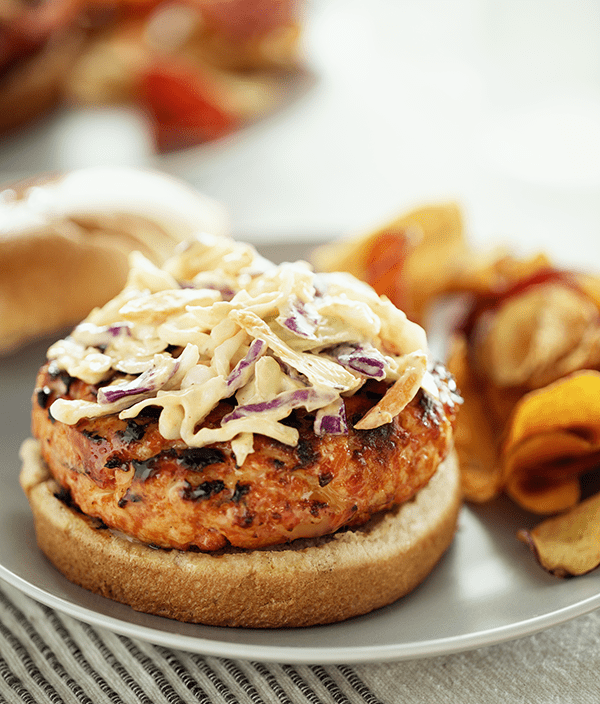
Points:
[[197, 68], [65, 241]]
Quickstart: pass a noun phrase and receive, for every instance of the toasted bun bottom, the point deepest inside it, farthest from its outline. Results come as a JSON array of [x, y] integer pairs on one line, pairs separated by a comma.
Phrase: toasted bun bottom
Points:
[[303, 583]]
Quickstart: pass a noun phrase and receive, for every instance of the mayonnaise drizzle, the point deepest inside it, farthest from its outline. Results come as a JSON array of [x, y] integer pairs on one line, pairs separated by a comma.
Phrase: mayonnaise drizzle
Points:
[[215, 298]]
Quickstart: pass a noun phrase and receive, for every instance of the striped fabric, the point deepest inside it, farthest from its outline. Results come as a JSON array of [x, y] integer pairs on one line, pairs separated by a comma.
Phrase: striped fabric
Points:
[[46, 656]]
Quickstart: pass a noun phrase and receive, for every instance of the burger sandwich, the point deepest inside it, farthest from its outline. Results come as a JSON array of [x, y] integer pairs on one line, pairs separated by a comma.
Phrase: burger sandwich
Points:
[[237, 443]]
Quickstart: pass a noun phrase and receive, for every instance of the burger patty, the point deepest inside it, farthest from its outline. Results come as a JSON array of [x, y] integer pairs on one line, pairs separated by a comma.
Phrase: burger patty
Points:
[[167, 494]]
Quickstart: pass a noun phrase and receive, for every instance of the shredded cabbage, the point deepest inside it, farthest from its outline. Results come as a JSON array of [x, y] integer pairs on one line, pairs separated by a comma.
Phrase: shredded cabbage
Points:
[[331, 419], [219, 321]]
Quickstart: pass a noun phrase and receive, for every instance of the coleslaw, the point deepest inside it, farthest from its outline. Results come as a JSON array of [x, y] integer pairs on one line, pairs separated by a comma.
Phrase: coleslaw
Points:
[[219, 321]]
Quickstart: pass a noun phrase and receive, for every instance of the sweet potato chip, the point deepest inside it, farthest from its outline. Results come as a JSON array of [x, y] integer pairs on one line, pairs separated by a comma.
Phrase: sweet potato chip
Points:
[[568, 544], [572, 403], [402, 259], [543, 494], [590, 284], [496, 271], [552, 437], [557, 454], [553, 487], [475, 440]]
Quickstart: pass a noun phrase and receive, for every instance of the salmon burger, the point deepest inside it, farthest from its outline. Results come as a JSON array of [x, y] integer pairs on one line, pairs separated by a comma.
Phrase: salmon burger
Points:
[[238, 443]]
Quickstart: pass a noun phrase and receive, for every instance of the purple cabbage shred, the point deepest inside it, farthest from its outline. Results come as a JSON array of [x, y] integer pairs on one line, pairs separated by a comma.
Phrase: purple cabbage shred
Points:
[[147, 382], [288, 400], [365, 360], [242, 371], [331, 420], [300, 320]]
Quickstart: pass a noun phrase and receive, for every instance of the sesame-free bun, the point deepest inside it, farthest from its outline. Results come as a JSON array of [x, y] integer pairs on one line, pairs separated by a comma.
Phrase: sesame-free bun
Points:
[[65, 241], [303, 583]]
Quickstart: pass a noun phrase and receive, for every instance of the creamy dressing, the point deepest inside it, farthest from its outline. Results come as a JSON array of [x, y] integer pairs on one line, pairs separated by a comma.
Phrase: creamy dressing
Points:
[[219, 321]]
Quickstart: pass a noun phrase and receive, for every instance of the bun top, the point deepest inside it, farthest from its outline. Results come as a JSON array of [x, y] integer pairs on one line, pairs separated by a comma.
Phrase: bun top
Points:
[[145, 206], [217, 321]]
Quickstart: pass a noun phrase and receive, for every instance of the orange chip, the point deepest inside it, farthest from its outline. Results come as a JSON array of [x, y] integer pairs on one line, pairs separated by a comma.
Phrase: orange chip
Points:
[[492, 272], [402, 258], [552, 437], [569, 544], [553, 487], [572, 403], [543, 494], [538, 336], [557, 454], [591, 286]]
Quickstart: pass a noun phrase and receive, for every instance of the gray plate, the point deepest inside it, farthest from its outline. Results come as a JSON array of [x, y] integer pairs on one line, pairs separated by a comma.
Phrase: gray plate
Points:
[[486, 589]]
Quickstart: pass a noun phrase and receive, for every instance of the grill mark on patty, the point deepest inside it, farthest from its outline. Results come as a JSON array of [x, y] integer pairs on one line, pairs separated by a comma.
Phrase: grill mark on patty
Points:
[[116, 462], [317, 506], [43, 396], [239, 492], [306, 453], [133, 432], [197, 458], [378, 440], [94, 437], [144, 469], [325, 478], [202, 491]]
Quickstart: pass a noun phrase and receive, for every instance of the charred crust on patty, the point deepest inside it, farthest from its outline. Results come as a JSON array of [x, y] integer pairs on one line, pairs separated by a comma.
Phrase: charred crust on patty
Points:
[[116, 462], [240, 491], [201, 491], [43, 396], [133, 432], [325, 478], [145, 469], [197, 458], [94, 437], [306, 453]]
